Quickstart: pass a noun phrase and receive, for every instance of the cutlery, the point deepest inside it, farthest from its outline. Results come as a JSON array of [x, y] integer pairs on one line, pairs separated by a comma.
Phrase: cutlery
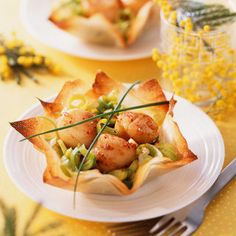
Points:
[[183, 222]]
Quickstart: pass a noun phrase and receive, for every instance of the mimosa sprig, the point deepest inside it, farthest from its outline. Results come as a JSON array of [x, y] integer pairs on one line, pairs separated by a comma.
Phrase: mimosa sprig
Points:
[[18, 59], [11, 226]]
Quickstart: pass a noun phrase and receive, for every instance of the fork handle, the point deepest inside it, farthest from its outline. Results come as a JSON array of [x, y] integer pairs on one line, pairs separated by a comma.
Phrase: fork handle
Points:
[[226, 175]]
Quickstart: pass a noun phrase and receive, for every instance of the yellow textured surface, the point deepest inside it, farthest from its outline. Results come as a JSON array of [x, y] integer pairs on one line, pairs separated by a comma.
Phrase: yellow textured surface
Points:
[[14, 100]]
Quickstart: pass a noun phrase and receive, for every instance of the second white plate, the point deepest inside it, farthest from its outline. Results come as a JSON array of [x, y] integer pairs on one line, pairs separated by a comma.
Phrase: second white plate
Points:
[[161, 196], [35, 14]]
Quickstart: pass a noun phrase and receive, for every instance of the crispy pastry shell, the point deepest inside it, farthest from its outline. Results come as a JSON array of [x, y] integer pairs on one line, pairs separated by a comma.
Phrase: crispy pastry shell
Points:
[[92, 181], [98, 29]]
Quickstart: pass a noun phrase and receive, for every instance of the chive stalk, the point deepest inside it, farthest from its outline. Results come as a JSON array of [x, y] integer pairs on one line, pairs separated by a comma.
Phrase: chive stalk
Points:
[[96, 117], [97, 136]]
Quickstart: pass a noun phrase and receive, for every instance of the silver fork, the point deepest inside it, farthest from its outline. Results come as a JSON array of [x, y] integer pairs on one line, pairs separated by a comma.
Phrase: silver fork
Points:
[[183, 222]]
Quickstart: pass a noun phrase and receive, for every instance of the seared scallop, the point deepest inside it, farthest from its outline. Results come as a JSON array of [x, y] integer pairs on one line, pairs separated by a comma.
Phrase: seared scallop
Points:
[[138, 126], [113, 152], [80, 134]]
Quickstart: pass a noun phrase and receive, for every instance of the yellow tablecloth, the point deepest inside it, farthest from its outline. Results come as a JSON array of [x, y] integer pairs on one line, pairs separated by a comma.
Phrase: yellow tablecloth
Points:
[[220, 217]]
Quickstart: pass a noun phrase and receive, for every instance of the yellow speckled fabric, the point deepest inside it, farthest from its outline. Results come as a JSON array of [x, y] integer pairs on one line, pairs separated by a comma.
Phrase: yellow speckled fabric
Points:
[[220, 219]]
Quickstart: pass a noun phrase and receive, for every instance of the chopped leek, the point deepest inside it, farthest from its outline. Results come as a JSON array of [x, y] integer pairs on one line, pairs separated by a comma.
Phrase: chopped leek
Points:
[[90, 162], [144, 158], [71, 159], [83, 150], [133, 166], [72, 7], [168, 150], [107, 102], [66, 166], [132, 170], [77, 101], [68, 152], [146, 152], [121, 174], [126, 175], [75, 157], [65, 170], [109, 130], [53, 143], [62, 145], [146, 149], [124, 21]]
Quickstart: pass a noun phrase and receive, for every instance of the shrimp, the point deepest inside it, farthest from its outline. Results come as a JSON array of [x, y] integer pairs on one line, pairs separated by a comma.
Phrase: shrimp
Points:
[[81, 134], [113, 152], [138, 126]]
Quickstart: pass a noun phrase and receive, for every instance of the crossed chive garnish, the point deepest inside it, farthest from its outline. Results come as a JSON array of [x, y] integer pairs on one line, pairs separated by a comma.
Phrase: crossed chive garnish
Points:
[[97, 137], [116, 110], [96, 117]]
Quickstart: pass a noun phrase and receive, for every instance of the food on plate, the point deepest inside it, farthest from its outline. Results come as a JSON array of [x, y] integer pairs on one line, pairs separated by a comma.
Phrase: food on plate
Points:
[[108, 22], [138, 126], [113, 152], [84, 133], [131, 134]]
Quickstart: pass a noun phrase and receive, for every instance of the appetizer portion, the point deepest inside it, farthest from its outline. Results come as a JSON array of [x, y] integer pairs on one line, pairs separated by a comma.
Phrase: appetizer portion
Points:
[[125, 139], [114, 22]]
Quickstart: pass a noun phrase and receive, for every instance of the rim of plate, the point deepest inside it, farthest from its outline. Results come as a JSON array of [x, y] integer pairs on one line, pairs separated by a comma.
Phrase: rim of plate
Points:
[[118, 56], [91, 217]]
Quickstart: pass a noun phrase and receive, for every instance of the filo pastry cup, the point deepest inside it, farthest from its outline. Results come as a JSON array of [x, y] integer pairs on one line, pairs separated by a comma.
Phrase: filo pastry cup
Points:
[[99, 27], [93, 181]]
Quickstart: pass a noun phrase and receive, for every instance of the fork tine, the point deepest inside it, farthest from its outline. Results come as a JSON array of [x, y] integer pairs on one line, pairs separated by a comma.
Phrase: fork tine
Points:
[[142, 233], [174, 228], [182, 230], [179, 230], [161, 224], [134, 228], [125, 225], [188, 232], [139, 224], [130, 232], [121, 226], [126, 234], [170, 228]]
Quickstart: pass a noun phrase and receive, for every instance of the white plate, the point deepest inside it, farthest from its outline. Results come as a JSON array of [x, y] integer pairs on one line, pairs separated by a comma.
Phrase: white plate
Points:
[[34, 14], [161, 196]]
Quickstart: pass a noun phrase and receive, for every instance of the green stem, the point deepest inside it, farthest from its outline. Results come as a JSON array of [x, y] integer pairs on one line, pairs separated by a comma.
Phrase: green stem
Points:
[[31, 219], [208, 47], [29, 75], [45, 229], [96, 117], [17, 76]]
